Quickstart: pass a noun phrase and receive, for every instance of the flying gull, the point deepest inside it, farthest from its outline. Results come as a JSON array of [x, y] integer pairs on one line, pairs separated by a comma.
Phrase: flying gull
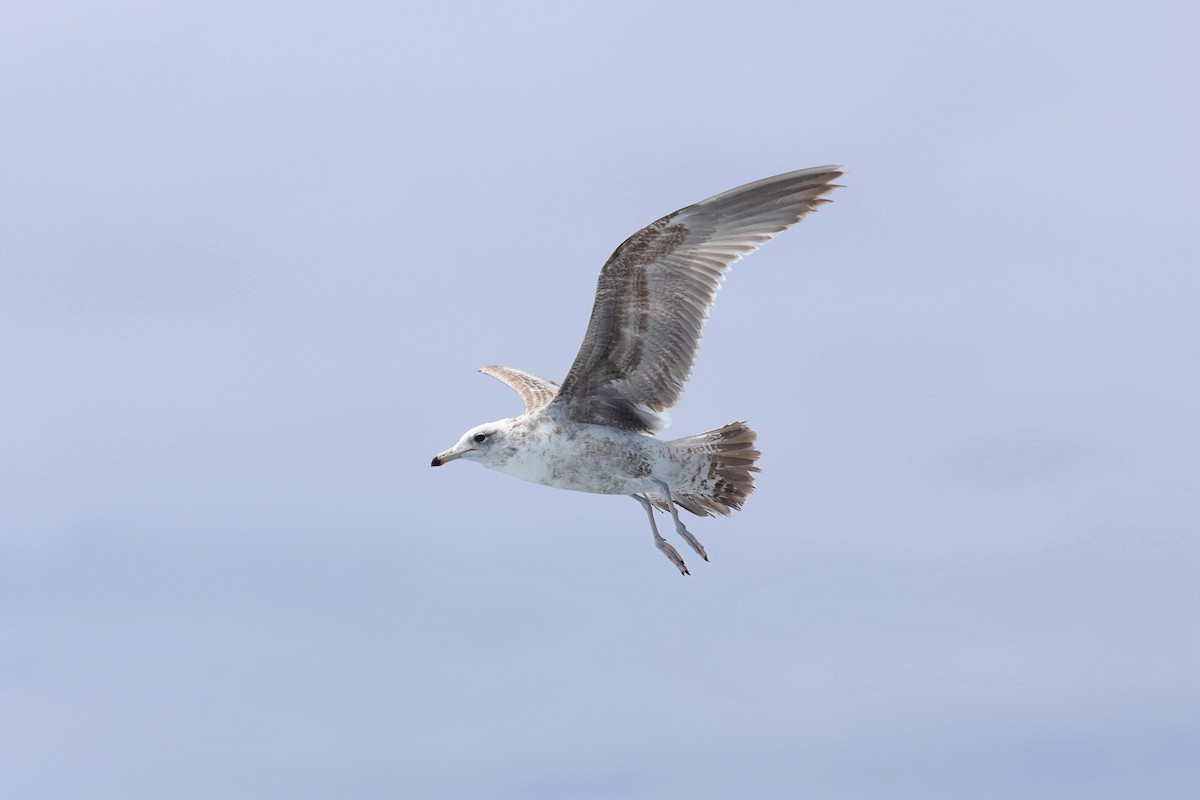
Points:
[[595, 431]]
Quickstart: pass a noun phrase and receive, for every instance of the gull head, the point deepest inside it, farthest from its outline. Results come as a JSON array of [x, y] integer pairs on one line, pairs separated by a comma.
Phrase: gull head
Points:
[[485, 444]]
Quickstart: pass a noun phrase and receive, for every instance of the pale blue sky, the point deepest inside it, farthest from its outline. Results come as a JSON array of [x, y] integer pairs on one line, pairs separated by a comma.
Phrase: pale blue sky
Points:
[[251, 255]]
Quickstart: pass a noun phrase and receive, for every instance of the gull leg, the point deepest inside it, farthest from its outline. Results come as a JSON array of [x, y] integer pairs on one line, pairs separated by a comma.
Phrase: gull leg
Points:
[[659, 542], [679, 528]]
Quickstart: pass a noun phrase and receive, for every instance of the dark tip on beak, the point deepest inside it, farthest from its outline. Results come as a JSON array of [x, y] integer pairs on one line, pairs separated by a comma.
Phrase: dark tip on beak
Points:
[[437, 462]]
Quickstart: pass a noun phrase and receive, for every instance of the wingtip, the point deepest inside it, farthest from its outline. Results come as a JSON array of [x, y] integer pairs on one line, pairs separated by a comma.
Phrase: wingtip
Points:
[[834, 170], [832, 173]]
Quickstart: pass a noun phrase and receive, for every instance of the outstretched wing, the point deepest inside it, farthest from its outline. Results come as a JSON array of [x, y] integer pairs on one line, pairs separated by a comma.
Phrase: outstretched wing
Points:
[[535, 391], [655, 291]]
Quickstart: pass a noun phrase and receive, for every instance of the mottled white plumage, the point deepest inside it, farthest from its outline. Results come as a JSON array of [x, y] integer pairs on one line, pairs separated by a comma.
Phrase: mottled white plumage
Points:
[[594, 432]]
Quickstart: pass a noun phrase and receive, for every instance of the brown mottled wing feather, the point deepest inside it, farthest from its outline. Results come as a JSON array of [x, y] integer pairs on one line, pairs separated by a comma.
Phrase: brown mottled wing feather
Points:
[[535, 391], [655, 291]]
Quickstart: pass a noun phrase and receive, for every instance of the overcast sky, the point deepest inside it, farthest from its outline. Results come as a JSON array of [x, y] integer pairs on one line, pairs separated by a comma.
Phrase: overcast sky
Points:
[[252, 254]]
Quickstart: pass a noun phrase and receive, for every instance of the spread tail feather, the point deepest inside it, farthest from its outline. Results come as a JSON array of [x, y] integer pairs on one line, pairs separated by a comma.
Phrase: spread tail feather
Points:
[[726, 459]]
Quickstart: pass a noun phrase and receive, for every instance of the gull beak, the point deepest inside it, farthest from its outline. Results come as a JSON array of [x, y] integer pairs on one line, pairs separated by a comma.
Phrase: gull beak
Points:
[[446, 457]]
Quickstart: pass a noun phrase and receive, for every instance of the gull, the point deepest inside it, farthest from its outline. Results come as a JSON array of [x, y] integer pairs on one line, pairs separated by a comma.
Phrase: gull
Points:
[[595, 431]]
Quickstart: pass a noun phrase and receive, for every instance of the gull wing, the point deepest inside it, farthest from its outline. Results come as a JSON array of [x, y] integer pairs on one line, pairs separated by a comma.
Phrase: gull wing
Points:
[[535, 392], [654, 294]]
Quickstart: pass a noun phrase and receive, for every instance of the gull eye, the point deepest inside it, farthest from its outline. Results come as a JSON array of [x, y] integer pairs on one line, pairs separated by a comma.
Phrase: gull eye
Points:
[[479, 437]]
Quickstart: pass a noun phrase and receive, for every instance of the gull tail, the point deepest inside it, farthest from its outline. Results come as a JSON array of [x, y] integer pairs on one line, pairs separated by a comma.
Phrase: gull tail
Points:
[[724, 463]]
